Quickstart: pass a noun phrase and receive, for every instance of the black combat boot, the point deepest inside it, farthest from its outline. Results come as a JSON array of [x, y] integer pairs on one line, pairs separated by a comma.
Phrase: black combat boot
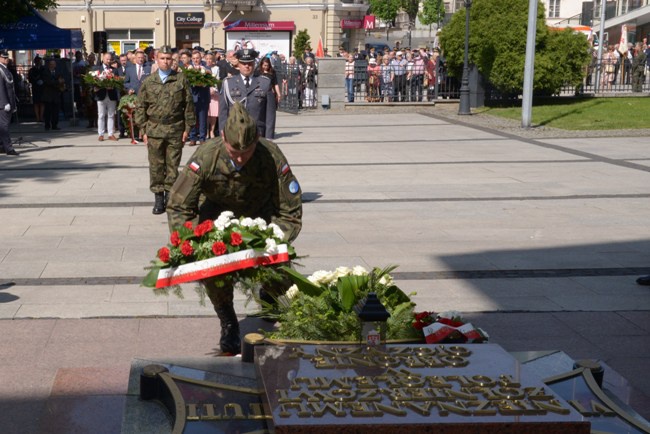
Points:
[[159, 203], [230, 341]]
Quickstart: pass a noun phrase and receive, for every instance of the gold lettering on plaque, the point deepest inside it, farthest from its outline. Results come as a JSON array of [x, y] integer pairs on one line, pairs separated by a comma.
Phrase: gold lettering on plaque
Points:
[[552, 405], [456, 407], [302, 410], [537, 394], [343, 394], [597, 409], [389, 409], [481, 408], [362, 409], [365, 382], [256, 411], [233, 411], [191, 412], [315, 397], [421, 408], [209, 413], [369, 395], [283, 396], [508, 381], [318, 409]]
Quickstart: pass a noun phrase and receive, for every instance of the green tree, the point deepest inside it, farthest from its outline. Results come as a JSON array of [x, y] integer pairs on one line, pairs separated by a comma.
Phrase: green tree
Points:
[[433, 11], [385, 10], [301, 41], [498, 47], [13, 10]]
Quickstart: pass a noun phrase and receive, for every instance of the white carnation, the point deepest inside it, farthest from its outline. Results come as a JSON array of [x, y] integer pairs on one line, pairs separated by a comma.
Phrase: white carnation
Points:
[[271, 246], [227, 215], [260, 223], [246, 222], [277, 232]]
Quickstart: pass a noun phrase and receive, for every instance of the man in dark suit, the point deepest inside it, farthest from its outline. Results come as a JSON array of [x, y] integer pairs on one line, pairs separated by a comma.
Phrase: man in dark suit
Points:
[[136, 73], [122, 66], [106, 101], [254, 92], [201, 97], [53, 86]]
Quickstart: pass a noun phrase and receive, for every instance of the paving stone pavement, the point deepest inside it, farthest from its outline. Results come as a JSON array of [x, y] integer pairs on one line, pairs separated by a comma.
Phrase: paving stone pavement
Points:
[[537, 235]]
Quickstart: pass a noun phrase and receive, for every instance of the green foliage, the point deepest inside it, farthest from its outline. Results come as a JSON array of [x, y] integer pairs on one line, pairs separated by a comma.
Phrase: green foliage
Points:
[[411, 7], [497, 47], [301, 41], [13, 10], [433, 11], [385, 9], [585, 114]]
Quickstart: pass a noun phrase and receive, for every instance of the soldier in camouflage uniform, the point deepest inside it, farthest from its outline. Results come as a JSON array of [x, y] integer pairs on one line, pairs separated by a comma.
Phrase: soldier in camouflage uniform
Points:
[[165, 116], [245, 174]]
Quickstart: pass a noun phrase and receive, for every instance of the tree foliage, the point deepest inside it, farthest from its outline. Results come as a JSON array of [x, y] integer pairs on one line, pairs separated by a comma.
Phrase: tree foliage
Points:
[[497, 47], [301, 41], [13, 10], [385, 10], [433, 11]]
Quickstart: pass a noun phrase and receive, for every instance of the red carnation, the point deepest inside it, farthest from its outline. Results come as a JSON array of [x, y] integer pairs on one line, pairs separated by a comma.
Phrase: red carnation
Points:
[[163, 254], [186, 248], [175, 239], [203, 228], [235, 239], [219, 248], [188, 225]]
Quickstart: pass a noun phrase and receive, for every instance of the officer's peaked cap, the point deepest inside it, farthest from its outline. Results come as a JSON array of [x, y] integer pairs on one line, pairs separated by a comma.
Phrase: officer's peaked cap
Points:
[[246, 55], [165, 49], [241, 129]]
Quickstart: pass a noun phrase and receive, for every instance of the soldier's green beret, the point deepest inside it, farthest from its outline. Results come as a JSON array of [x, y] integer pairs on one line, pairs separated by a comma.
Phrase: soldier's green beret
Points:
[[165, 49], [241, 128]]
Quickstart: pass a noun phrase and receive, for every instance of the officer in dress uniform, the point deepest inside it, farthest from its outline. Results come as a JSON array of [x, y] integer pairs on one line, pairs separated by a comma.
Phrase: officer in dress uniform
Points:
[[254, 92], [165, 116], [8, 104], [245, 174]]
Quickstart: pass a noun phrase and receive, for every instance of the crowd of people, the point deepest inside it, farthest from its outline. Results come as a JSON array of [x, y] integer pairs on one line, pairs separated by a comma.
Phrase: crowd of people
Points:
[[625, 65], [391, 75]]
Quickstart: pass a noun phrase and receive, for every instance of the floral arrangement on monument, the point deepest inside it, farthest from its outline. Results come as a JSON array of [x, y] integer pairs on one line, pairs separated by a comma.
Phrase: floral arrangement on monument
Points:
[[320, 307], [237, 250], [104, 80], [126, 108], [201, 77]]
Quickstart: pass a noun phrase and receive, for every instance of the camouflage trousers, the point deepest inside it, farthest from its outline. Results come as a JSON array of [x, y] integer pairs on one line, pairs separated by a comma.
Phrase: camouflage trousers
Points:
[[164, 159]]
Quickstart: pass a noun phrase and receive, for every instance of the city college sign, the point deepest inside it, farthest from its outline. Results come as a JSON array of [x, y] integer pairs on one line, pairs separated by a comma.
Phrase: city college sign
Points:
[[189, 19]]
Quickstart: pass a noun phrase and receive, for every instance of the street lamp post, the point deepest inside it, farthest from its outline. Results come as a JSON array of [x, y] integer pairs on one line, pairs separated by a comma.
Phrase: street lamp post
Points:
[[463, 106]]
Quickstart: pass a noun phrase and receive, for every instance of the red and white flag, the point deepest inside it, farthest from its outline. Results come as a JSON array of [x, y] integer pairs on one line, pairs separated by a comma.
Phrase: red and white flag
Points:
[[319, 49]]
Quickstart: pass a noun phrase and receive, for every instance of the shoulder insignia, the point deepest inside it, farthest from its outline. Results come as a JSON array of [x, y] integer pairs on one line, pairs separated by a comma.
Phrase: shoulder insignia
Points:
[[294, 187], [194, 166], [285, 169]]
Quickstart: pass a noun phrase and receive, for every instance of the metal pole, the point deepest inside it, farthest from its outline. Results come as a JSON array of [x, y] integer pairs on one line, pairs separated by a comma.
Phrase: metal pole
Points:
[[463, 106], [601, 36], [529, 68]]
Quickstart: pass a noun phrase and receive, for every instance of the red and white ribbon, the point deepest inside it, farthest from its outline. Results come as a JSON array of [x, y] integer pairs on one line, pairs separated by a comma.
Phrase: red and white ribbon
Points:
[[220, 265]]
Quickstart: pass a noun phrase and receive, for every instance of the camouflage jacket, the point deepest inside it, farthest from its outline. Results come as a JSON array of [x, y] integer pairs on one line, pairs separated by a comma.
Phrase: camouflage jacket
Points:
[[265, 187], [165, 109]]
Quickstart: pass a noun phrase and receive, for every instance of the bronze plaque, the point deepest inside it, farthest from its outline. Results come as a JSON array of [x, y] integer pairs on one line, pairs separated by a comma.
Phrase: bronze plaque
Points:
[[405, 389]]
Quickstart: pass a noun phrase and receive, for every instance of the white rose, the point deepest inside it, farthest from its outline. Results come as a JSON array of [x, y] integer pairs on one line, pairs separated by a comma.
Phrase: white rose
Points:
[[358, 270], [342, 271], [322, 277], [292, 292]]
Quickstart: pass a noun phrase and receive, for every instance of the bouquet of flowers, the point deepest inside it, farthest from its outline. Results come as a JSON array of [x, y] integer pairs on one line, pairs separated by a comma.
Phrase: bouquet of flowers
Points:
[[104, 80], [321, 306], [201, 77], [235, 249], [127, 106], [447, 327]]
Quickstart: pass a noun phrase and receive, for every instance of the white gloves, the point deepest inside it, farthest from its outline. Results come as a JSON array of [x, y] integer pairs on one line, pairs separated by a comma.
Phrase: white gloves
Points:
[[8, 107]]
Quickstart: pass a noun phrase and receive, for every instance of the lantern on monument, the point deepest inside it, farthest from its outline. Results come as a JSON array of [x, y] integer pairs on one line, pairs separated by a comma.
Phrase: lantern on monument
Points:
[[372, 317]]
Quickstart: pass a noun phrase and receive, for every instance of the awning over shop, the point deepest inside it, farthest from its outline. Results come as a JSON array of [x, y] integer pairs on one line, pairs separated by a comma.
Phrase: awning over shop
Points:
[[35, 32]]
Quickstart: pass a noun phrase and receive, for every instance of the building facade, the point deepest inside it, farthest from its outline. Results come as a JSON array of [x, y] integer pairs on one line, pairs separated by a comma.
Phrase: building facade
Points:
[[123, 25]]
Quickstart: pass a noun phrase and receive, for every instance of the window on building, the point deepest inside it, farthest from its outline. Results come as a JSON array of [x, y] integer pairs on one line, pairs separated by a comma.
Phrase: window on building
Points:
[[460, 4], [122, 40], [553, 8]]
